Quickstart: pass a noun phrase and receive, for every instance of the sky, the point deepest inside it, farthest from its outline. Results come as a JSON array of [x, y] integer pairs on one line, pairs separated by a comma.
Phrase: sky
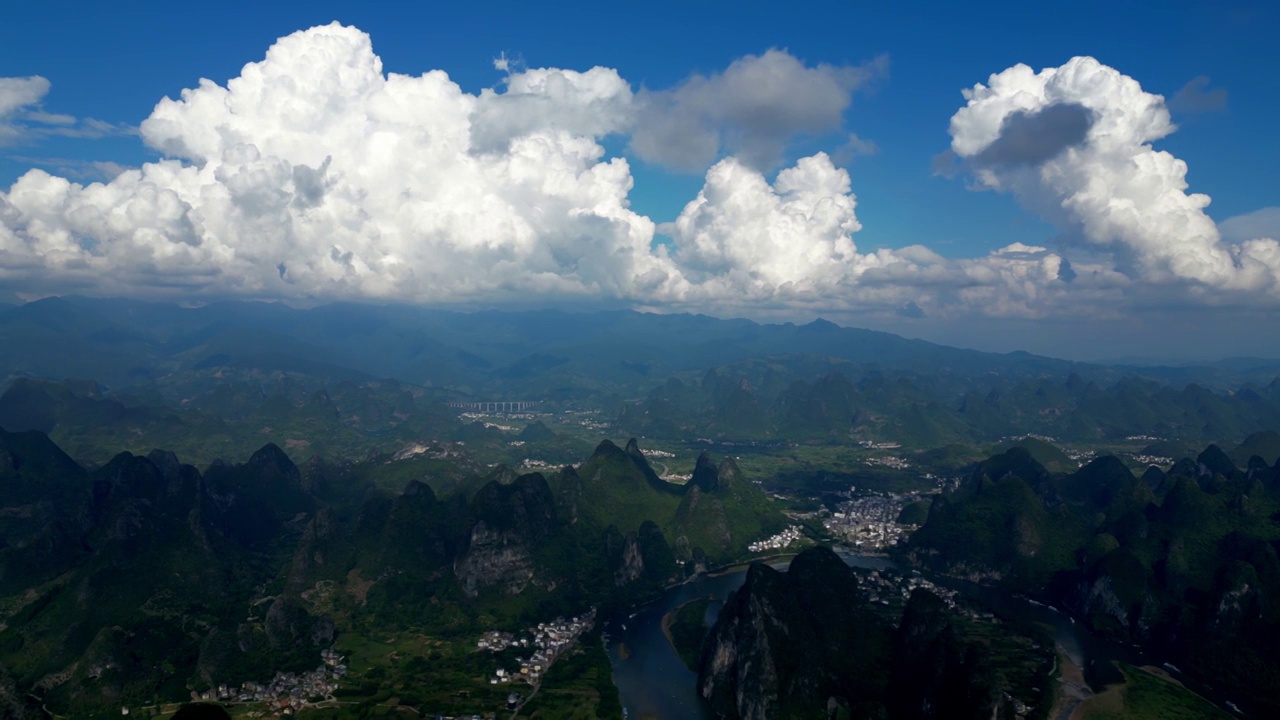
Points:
[[1094, 181]]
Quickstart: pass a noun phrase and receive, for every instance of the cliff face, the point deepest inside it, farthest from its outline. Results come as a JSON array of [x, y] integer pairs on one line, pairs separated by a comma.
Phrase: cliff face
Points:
[[642, 557], [494, 558], [509, 520], [630, 566]]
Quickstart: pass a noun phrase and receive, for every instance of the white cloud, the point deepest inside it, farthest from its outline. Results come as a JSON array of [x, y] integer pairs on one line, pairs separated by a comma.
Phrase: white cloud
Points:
[[592, 104], [745, 243], [314, 174], [1100, 176], [16, 95], [20, 92], [1261, 223], [22, 119], [798, 230]]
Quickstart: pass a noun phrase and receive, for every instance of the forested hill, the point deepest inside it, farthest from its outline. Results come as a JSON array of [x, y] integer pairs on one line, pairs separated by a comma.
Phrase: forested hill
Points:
[[1184, 561]]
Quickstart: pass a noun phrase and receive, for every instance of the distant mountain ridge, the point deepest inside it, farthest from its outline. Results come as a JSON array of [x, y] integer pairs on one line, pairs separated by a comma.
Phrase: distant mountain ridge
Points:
[[339, 375], [120, 341]]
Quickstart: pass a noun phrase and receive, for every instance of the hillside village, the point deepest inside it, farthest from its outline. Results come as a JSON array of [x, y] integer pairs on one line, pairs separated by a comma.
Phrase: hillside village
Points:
[[777, 542], [286, 693], [548, 641]]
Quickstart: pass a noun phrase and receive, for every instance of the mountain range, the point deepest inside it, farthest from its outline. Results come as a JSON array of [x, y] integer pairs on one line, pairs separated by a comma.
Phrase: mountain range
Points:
[[145, 577], [1183, 561], [342, 380]]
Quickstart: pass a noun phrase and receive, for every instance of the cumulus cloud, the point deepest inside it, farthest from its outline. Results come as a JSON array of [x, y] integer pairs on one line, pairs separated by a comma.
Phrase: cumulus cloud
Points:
[[356, 183], [317, 175], [752, 110], [1074, 143], [745, 242], [592, 104]]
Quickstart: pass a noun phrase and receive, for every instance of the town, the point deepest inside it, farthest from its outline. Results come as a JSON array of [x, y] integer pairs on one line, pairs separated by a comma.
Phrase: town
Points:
[[870, 522]]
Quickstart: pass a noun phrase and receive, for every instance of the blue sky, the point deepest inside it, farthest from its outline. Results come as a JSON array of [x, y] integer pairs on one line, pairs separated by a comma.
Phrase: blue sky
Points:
[[113, 63]]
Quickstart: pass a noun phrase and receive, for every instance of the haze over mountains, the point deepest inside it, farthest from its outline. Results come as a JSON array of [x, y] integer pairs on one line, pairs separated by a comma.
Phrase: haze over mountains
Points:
[[382, 375]]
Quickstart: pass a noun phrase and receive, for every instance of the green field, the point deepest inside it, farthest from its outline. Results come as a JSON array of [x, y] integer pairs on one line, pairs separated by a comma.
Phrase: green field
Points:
[[1146, 696]]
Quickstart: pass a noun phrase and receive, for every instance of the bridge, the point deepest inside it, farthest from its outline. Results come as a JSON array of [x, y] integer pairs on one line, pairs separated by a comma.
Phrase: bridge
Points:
[[496, 406]]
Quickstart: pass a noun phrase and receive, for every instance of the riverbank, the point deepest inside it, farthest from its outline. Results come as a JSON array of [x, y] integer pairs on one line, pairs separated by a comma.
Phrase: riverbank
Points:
[[684, 628], [1146, 692], [742, 566], [669, 618], [1072, 689]]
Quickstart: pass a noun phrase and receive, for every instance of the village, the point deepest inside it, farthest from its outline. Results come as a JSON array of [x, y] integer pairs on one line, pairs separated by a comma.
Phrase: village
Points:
[[1148, 460], [548, 641], [889, 461], [286, 693], [890, 587]]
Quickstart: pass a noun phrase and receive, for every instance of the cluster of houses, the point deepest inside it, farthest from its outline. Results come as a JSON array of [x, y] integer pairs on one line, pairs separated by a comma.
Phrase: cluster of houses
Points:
[[884, 587], [584, 418], [941, 485], [435, 449], [873, 445], [548, 642], [1152, 459], [1032, 436], [889, 461], [1080, 456], [287, 692], [777, 542], [538, 464]]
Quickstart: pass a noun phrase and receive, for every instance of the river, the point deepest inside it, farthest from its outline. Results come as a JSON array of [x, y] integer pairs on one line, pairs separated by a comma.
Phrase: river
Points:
[[653, 682]]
